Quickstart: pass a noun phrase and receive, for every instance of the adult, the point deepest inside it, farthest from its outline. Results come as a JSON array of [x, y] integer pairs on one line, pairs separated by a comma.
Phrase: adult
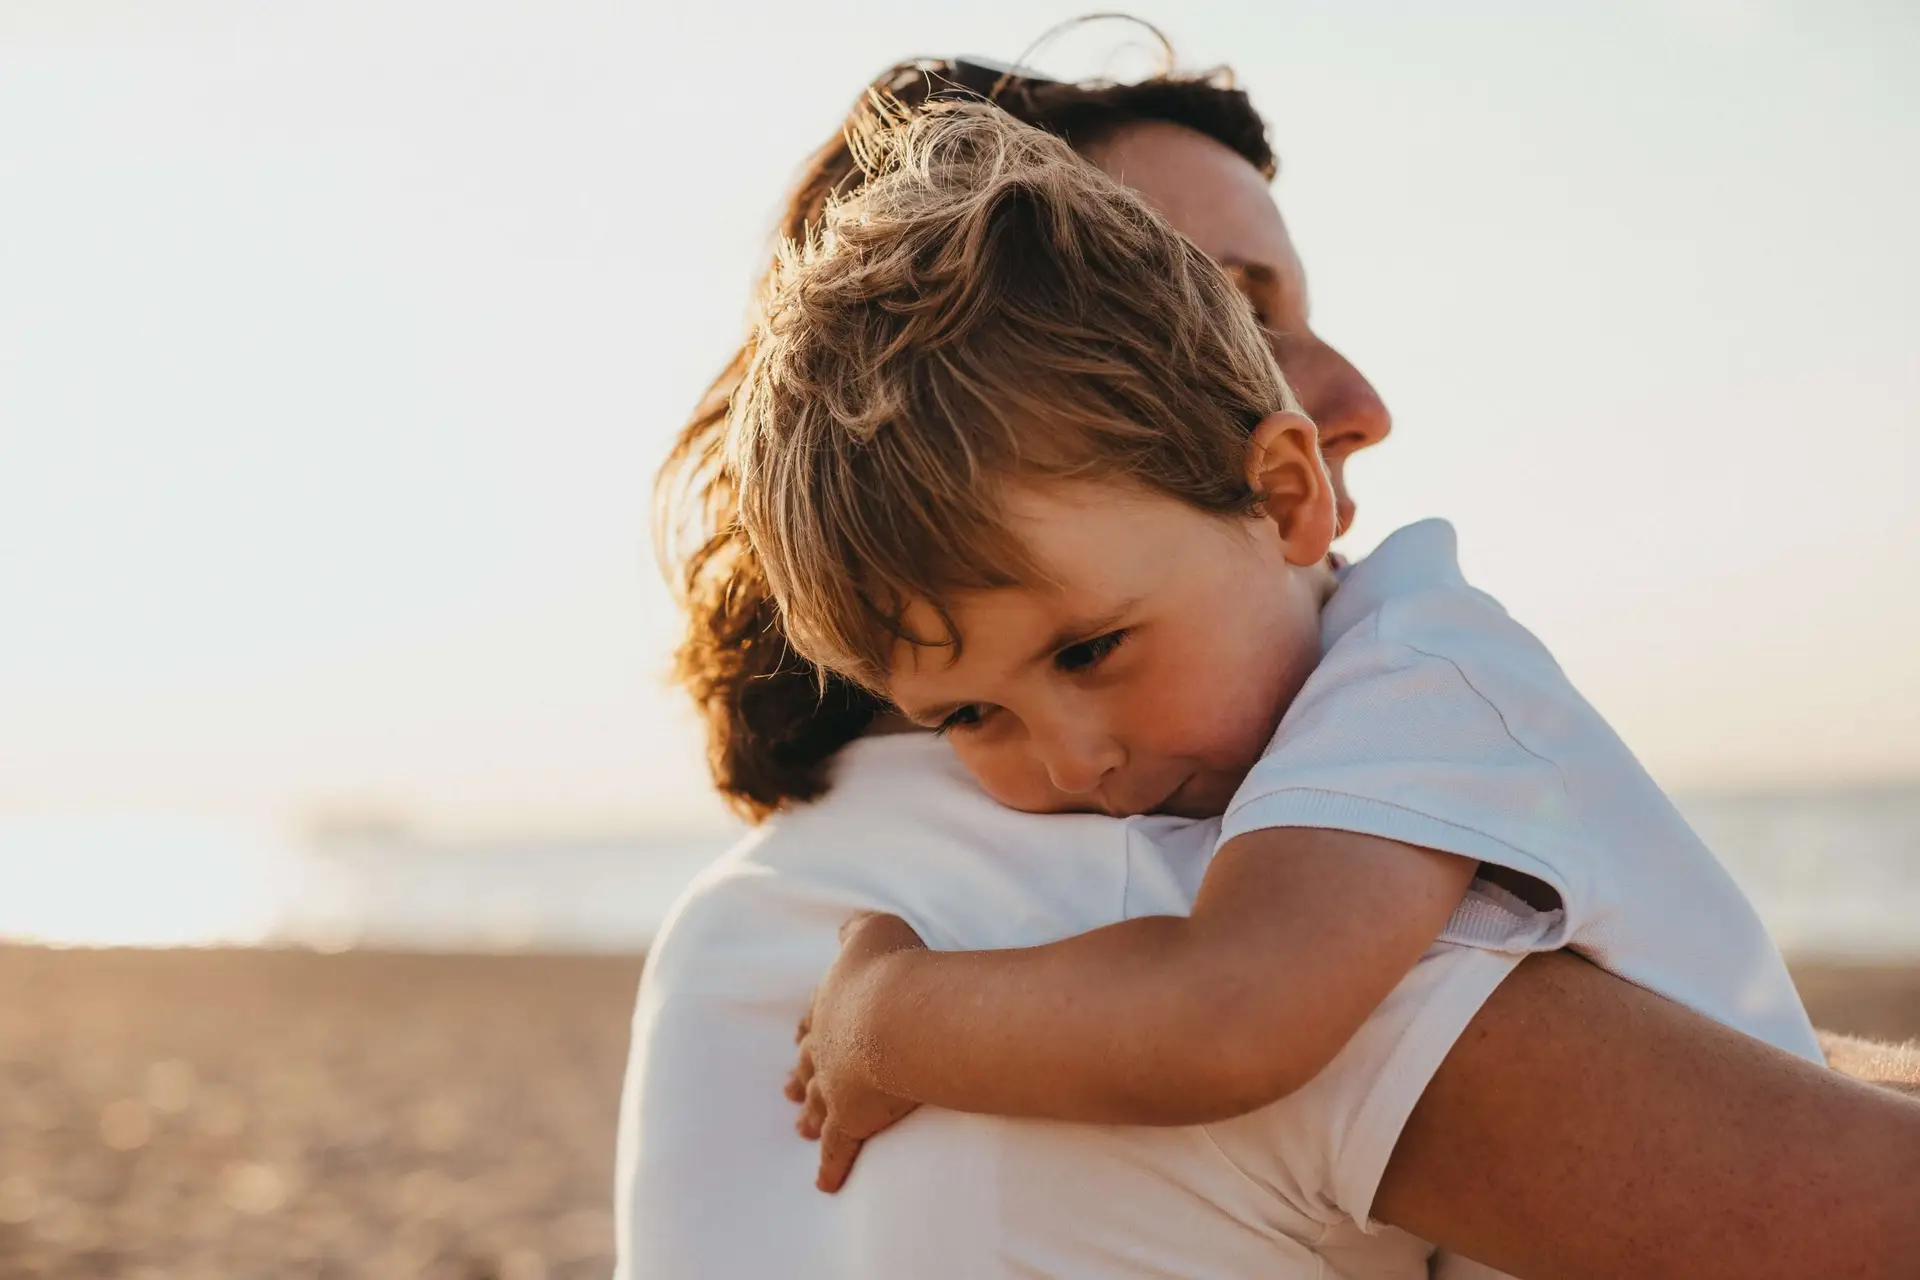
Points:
[[1542, 1116]]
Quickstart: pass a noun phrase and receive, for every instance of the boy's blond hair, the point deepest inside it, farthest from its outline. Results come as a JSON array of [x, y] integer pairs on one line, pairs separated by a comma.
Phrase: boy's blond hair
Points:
[[989, 307]]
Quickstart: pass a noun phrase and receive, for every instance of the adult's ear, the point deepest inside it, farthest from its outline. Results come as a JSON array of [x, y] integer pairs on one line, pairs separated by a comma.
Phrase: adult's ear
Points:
[[1285, 468]]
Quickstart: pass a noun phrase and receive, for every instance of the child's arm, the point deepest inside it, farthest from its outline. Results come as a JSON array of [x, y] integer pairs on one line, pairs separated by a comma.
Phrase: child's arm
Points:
[[1296, 937]]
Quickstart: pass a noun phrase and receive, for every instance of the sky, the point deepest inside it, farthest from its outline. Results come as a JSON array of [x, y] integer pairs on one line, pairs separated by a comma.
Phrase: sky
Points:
[[339, 343]]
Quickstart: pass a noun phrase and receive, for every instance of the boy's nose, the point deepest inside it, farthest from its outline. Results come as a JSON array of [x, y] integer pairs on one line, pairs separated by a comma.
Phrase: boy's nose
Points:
[[1077, 763]]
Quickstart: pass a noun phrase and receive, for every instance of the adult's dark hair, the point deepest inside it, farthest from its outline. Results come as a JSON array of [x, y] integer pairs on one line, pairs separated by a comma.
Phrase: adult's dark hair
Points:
[[772, 722]]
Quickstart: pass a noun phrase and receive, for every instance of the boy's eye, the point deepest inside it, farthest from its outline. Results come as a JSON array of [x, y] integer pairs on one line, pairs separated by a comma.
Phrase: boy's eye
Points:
[[961, 718], [1087, 654]]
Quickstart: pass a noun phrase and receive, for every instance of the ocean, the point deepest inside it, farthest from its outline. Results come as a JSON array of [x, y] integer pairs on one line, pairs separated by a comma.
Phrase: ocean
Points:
[[1835, 875]]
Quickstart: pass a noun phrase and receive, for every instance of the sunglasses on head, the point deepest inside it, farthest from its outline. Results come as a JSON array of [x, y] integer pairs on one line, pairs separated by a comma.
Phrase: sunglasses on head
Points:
[[928, 79]]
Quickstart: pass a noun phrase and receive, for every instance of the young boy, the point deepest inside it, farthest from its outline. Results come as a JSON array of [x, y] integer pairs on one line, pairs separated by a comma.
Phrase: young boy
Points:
[[1017, 456]]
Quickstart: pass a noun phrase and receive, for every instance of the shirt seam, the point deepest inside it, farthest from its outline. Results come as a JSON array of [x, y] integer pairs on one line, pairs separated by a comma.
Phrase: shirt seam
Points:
[[1505, 728], [1492, 706]]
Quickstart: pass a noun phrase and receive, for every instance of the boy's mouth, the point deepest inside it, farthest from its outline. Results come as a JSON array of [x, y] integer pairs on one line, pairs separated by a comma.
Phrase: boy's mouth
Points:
[[1134, 807], [1178, 800], [1204, 794]]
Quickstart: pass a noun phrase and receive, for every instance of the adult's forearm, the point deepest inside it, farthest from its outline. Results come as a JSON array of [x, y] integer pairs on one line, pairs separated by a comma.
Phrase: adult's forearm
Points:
[[1582, 1127]]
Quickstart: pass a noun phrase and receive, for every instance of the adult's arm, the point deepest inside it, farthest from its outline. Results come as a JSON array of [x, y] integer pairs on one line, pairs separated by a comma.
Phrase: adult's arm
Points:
[[1584, 1127]]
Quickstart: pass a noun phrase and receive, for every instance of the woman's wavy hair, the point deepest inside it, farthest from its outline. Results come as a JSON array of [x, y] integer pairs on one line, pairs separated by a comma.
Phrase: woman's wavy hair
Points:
[[773, 720]]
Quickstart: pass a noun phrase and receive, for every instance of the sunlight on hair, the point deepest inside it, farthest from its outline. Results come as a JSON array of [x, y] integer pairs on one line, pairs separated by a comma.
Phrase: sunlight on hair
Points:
[[987, 308]]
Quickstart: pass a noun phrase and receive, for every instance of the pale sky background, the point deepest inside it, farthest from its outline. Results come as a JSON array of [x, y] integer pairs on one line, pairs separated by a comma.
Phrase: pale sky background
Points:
[[339, 342]]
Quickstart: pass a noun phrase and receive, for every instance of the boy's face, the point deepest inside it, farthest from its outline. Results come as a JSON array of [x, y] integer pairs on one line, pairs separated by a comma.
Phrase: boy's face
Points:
[[1150, 682]]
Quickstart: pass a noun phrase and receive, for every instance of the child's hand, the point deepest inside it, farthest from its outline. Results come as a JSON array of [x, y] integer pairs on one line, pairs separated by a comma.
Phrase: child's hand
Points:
[[840, 1105]]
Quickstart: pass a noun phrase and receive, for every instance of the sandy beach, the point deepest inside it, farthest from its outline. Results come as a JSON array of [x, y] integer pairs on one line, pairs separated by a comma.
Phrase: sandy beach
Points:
[[197, 1115]]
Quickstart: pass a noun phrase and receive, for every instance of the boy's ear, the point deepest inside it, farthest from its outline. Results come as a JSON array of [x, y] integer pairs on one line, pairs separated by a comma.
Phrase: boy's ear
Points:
[[1285, 468]]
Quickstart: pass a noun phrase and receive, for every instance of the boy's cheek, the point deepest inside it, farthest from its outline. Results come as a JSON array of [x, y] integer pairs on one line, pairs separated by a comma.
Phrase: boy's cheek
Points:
[[1221, 723], [1016, 780]]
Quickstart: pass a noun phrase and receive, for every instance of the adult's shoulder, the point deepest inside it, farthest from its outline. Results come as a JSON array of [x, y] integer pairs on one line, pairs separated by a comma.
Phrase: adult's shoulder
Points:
[[903, 829], [737, 926], [771, 905]]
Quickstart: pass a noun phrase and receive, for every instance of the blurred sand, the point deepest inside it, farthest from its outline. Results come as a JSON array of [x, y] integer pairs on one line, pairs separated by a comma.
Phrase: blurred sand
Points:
[[265, 1114], [243, 1114]]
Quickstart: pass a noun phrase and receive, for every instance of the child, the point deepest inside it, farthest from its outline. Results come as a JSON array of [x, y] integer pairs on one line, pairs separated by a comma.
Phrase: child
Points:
[[1017, 456]]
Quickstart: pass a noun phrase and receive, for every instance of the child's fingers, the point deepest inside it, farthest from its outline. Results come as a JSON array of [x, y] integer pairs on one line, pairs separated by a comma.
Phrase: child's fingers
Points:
[[813, 1112], [801, 1076], [837, 1154]]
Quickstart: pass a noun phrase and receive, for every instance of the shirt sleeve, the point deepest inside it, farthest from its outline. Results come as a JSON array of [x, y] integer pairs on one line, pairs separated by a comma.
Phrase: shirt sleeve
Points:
[[1451, 1266], [1392, 739], [1325, 1147]]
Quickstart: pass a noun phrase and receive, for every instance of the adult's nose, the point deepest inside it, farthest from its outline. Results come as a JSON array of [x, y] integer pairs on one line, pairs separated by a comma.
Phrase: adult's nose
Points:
[[1351, 414], [1342, 403]]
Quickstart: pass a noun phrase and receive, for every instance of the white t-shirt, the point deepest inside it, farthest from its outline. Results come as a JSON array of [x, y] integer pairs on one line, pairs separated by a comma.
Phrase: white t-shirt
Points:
[[1436, 719], [714, 1183]]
